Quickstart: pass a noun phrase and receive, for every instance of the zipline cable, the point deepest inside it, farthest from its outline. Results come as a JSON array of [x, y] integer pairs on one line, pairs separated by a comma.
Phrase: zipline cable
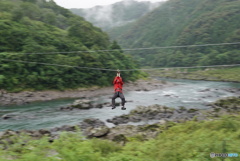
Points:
[[134, 49], [104, 69]]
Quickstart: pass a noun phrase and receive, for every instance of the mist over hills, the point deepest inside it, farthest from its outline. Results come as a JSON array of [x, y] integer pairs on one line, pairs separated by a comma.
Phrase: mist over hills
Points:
[[185, 22], [117, 14]]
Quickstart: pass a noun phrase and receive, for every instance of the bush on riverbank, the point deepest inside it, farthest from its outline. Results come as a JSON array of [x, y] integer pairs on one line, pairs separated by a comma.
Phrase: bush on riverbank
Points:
[[186, 141], [230, 104]]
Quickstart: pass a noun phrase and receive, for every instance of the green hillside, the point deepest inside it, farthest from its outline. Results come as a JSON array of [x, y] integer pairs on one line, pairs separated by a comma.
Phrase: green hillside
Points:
[[41, 26], [185, 22]]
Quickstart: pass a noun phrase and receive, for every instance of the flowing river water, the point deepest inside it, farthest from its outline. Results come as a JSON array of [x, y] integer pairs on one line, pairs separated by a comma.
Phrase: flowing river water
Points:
[[187, 93]]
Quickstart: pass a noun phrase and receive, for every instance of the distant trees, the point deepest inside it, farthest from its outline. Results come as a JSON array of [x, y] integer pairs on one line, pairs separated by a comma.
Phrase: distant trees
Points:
[[182, 23], [32, 1]]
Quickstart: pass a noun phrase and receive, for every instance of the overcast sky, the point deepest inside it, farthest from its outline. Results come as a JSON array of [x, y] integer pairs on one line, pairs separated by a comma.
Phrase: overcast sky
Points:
[[89, 3]]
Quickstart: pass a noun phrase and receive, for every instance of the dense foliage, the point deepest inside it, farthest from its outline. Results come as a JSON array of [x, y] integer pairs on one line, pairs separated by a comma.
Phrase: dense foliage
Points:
[[185, 22], [41, 26], [116, 14], [182, 142]]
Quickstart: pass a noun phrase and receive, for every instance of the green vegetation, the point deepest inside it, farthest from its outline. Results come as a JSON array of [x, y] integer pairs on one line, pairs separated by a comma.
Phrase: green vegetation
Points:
[[40, 26], [185, 22], [230, 74], [190, 141]]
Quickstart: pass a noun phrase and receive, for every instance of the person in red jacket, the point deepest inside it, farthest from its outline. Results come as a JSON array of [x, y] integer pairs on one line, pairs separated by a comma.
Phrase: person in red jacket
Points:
[[118, 83]]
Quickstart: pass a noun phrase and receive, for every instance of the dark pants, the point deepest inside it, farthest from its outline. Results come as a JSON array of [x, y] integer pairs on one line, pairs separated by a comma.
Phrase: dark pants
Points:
[[118, 94]]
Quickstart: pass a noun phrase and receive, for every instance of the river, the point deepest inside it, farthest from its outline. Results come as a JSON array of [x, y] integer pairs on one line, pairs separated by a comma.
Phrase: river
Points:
[[187, 93]]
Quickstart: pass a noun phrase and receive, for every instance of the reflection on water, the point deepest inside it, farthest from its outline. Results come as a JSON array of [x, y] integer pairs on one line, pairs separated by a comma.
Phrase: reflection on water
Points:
[[187, 93]]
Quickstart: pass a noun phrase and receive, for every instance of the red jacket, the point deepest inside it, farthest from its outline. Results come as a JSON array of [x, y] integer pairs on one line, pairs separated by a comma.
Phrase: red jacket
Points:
[[118, 84]]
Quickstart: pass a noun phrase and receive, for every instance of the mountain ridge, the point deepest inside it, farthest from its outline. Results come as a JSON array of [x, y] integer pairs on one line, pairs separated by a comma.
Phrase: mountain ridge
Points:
[[185, 22], [117, 14]]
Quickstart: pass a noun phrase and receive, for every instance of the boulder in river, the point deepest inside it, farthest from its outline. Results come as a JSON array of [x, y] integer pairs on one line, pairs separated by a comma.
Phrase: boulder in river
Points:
[[94, 127], [68, 108], [96, 132], [82, 104], [91, 122], [85, 104], [7, 116]]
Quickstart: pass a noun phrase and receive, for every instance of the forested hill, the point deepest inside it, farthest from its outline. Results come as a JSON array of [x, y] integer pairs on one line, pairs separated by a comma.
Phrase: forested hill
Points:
[[41, 26], [117, 14], [186, 22]]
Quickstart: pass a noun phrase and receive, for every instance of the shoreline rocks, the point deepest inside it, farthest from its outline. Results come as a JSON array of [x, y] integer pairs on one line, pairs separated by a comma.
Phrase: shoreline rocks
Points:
[[229, 105], [156, 112]]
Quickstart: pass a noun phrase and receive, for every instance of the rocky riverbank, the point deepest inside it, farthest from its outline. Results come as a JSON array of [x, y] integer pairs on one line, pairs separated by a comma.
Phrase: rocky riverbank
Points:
[[29, 96], [165, 117], [224, 74], [230, 105]]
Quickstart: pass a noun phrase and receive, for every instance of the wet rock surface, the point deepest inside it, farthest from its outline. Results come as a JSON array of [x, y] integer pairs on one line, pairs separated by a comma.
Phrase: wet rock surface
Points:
[[16, 117], [7, 116], [156, 112], [84, 104]]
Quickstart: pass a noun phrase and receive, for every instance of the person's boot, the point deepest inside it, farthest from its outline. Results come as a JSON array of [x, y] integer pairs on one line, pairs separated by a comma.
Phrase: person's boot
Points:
[[113, 107], [123, 108]]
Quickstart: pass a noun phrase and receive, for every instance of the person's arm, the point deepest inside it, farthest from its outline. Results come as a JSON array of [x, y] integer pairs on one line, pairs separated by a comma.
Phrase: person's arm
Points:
[[121, 81], [115, 79]]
